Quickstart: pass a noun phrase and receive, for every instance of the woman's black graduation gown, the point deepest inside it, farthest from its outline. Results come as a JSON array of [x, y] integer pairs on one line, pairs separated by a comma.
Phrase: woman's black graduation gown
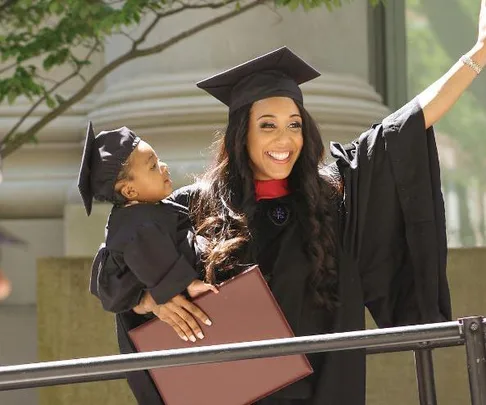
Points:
[[391, 256]]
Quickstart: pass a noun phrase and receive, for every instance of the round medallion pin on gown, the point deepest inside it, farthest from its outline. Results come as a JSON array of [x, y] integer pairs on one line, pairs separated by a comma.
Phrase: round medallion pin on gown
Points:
[[279, 214]]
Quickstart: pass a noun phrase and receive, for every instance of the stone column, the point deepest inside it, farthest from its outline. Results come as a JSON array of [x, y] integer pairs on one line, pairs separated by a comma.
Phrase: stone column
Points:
[[156, 96], [36, 181]]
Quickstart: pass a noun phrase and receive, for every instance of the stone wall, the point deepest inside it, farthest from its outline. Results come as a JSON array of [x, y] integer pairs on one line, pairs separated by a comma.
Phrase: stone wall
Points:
[[72, 324]]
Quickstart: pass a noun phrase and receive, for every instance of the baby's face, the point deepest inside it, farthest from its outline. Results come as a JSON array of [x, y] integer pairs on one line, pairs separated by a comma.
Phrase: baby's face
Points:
[[150, 178]]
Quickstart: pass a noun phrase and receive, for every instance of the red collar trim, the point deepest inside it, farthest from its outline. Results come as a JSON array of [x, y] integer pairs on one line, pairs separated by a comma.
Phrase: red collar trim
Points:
[[268, 189]]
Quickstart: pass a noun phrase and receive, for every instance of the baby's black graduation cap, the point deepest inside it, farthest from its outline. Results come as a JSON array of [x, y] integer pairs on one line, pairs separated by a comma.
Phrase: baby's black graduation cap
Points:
[[275, 74], [103, 157]]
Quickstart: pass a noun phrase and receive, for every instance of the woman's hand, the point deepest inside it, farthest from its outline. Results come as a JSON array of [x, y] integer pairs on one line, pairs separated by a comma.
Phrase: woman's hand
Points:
[[439, 97], [178, 312], [197, 287], [482, 24], [146, 304]]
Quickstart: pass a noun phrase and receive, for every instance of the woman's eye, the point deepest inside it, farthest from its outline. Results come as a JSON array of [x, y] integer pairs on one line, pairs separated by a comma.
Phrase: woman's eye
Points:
[[154, 166], [267, 125], [296, 125]]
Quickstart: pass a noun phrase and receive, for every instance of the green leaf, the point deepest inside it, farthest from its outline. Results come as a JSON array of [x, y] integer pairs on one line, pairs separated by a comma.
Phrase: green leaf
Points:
[[49, 62], [5, 55], [33, 139], [57, 58], [50, 101], [62, 56], [59, 99], [51, 30], [293, 4], [11, 96], [83, 13], [54, 7]]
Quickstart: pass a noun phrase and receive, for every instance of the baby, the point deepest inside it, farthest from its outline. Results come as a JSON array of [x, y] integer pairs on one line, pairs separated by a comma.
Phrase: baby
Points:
[[150, 254]]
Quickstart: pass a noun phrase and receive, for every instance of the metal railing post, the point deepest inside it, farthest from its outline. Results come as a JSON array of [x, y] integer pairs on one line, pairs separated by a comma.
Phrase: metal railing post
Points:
[[473, 329], [424, 368]]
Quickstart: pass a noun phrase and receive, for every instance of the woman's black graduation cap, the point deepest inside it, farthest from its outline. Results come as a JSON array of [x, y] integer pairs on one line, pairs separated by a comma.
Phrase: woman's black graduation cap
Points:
[[277, 73], [103, 157]]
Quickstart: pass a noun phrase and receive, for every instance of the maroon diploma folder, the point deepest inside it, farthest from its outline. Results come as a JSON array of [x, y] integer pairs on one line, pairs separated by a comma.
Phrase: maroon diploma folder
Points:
[[244, 310]]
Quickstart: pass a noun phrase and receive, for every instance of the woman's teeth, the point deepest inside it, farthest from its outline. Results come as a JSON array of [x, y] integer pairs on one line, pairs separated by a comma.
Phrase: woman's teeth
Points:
[[279, 155]]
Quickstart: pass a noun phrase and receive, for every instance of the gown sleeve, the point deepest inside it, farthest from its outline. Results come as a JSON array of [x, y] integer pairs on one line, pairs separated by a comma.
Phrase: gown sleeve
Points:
[[393, 220], [183, 195], [116, 287], [154, 259]]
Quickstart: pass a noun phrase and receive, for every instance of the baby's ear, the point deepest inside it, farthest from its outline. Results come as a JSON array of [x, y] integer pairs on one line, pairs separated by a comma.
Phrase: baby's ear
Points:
[[128, 191]]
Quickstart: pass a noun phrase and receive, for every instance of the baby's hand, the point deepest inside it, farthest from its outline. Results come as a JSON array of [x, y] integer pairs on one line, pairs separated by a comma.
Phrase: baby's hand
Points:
[[197, 287]]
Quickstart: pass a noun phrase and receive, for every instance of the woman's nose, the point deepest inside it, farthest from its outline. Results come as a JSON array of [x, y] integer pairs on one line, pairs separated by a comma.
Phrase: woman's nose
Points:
[[284, 137]]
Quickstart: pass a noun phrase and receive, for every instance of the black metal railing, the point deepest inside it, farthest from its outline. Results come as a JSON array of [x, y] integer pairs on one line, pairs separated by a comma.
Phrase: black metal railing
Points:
[[419, 338]]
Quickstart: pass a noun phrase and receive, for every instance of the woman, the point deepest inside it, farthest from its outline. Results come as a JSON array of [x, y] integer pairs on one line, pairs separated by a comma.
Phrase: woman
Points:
[[5, 286], [6, 238], [369, 229]]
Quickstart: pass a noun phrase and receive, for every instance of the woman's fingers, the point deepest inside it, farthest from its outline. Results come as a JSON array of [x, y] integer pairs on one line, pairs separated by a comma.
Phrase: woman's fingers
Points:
[[167, 315], [192, 309], [178, 330], [187, 322], [181, 314], [198, 287], [140, 310], [212, 288]]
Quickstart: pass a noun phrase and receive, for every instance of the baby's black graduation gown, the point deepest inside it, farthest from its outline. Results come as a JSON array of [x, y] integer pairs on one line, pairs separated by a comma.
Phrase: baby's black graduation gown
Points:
[[148, 247], [391, 256]]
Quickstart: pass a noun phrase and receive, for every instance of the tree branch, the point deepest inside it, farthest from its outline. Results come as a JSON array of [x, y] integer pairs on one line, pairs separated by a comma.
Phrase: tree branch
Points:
[[273, 8], [172, 12], [126, 35], [206, 5], [33, 108], [7, 4], [147, 31], [27, 114], [183, 35], [45, 78], [6, 68], [131, 54]]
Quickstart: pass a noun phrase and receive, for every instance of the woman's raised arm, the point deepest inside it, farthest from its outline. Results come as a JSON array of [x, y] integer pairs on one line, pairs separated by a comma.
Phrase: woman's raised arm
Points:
[[439, 97]]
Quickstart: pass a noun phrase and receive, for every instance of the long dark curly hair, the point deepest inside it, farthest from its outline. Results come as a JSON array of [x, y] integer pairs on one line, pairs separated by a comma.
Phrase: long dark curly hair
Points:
[[225, 204]]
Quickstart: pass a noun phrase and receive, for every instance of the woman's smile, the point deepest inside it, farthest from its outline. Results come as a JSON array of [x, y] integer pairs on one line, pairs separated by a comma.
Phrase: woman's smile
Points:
[[279, 157]]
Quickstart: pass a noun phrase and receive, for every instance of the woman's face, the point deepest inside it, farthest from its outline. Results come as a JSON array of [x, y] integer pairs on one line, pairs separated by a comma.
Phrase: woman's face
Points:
[[274, 137]]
